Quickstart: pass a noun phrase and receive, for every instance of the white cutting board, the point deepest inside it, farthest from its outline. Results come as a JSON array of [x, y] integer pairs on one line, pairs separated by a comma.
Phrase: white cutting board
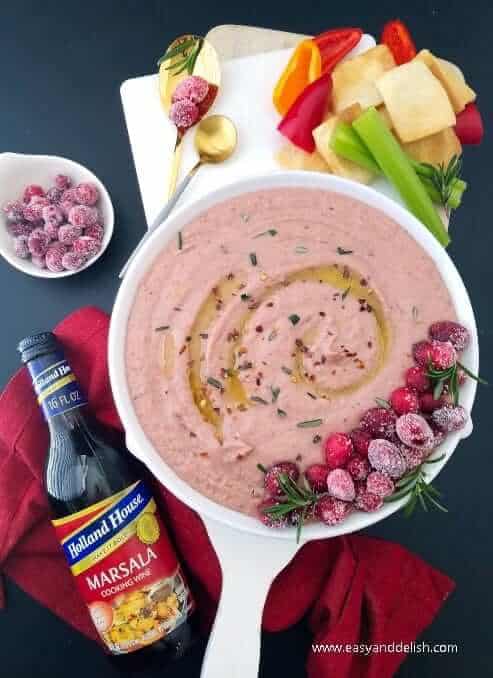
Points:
[[245, 96]]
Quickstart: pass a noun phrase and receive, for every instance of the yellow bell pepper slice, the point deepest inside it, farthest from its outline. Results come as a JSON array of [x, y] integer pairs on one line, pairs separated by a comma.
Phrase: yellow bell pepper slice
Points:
[[304, 67]]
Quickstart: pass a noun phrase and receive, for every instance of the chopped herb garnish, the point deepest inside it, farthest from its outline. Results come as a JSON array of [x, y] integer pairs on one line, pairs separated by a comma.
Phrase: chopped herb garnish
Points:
[[294, 318], [281, 413], [294, 499], [317, 439], [258, 399], [253, 258], [187, 51], [271, 231], [215, 383], [301, 249], [245, 297], [311, 395], [286, 370], [381, 402], [161, 328], [346, 292], [272, 335], [275, 390], [244, 217], [204, 335], [449, 379], [310, 423], [180, 240], [415, 313], [341, 250]]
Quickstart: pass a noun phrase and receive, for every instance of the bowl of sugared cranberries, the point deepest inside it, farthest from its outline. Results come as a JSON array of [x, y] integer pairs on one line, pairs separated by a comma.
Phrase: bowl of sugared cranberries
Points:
[[56, 216]]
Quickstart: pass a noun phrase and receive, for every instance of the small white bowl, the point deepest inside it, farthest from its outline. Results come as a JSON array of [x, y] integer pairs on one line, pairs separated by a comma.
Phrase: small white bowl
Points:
[[16, 172]]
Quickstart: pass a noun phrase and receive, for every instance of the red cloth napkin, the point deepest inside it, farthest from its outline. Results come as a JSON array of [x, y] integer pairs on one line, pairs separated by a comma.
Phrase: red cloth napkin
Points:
[[359, 589]]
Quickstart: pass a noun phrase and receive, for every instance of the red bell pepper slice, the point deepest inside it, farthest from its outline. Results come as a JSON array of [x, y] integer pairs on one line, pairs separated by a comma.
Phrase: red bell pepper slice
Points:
[[396, 36], [469, 125], [306, 113], [335, 44]]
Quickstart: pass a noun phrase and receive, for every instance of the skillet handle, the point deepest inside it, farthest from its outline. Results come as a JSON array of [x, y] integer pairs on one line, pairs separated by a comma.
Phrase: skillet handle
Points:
[[249, 564]]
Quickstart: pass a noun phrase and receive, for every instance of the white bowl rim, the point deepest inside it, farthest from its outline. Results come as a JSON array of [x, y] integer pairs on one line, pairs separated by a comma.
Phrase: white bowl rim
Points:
[[109, 225], [138, 442]]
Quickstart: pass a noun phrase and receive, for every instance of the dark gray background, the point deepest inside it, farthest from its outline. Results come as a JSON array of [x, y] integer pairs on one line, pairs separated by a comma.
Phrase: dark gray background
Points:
[[61, 65]]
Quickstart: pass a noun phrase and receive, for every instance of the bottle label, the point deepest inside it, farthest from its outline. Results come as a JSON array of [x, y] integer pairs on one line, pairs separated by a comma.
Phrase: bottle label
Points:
[[126, 569], [55, 385]]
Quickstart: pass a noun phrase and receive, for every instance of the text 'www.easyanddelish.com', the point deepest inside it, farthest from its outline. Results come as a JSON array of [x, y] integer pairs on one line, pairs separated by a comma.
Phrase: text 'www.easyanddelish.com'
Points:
[[368, 649]]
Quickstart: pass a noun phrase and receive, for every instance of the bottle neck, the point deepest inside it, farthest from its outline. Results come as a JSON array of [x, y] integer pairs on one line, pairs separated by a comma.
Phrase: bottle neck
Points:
[[55, 385]]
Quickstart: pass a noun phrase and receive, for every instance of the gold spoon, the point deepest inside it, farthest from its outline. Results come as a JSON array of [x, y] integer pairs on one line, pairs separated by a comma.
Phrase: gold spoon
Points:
[[215, 141], [187, 55]]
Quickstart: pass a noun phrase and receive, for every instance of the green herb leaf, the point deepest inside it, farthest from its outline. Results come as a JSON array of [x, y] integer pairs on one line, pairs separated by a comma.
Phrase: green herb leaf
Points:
[[294, 318], [275, 390], [258, 399], [185, 53], [300, 249], [286, 370], [310, 423], [346, 292], [381, 402], [281, 413], [476, 377], [180, 240], [214, 382], [271, 231], [341, 250], [245, 297], [161, 328], [253, 258]]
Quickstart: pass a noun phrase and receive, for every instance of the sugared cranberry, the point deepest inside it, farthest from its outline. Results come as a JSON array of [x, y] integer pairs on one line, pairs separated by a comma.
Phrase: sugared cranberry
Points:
[[86, 246], [358, 467], [338, 449], [267, 518], [52, 231], [404, 400], [87, 193], [316, 476], [95, 231], [14, 210], [340, 485], [428, 404], [412, 456], [72, 261], [448, 330], [271, 478], [63, 182], [54, 195], [331, 511], [384, 456], [21, 247], [31, 190], [417, 378], [422, 353], [194, 88], [450, 418], [38, 242], [54, 257], [380, 484], [368, 502], [413, 430], [83, 216], [442, 355], [68, 233], [52, 214], [361, 440], [32, 213], [183, 114], [16, 228], [379, 422]]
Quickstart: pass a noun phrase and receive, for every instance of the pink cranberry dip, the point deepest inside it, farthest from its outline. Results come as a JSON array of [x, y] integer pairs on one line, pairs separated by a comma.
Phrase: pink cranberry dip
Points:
[[269, 328]]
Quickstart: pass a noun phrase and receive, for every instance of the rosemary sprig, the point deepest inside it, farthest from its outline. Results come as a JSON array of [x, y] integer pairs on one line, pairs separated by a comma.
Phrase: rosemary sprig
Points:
[[294, 498], [449, 379], [186, 54], [342, 251], [415, 486], [443, 177]]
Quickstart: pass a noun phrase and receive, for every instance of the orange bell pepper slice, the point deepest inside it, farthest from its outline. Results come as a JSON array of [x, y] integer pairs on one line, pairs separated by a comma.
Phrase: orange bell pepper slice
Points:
[[303, 68]]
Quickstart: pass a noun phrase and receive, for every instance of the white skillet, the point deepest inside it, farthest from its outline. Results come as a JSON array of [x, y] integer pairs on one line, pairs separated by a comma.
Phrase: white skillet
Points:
[[250, 554]]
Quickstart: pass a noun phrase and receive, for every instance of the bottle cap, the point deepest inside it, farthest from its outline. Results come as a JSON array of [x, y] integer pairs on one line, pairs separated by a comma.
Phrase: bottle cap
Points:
[[37, 344]]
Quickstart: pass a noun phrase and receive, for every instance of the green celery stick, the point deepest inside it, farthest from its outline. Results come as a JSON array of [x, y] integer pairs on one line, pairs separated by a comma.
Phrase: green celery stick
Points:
[[395, 164], [346, 143]]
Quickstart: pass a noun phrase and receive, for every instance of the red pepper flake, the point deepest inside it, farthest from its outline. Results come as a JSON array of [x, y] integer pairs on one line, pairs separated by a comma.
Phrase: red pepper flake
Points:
[[192, 434], [370, 344], [183, 349], [203, 454], [363, 282], [270, 304], [230, 276], [259, 328], [322, 314]]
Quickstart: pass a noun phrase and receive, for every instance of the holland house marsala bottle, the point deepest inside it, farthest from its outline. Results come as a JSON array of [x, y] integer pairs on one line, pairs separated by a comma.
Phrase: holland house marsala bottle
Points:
[[107, 522]]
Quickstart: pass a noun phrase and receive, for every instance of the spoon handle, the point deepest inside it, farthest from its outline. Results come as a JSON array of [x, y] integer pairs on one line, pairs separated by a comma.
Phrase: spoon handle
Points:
[[162, 216], [175, 167]]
